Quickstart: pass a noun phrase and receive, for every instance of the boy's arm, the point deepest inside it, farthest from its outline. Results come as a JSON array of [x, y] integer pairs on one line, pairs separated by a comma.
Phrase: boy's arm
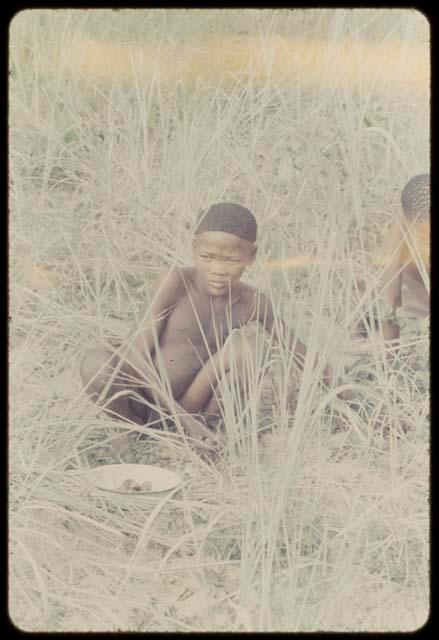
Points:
[[265, 316], [137, 361], [166, 291], [392, 256]]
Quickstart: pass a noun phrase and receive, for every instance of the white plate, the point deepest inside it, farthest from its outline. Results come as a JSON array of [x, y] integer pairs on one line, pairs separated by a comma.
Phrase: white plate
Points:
[[109, 477]]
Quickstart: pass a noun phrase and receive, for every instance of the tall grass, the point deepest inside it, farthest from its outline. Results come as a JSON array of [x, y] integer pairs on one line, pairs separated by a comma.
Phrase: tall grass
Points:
[[318, 524]]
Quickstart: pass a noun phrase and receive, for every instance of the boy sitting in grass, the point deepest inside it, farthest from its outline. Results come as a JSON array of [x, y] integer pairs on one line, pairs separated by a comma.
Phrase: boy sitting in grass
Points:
[[405, 254], [183, 337]]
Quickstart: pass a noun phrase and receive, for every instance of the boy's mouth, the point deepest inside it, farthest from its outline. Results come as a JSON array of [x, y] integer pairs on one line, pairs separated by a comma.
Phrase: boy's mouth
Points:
[[217, 285]]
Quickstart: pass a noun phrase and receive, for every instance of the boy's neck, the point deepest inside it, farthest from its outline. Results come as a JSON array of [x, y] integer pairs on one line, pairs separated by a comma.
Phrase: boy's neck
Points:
[[219, 302]]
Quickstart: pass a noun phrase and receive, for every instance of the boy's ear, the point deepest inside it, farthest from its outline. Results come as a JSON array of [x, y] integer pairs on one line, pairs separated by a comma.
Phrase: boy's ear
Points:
[[253, 253]]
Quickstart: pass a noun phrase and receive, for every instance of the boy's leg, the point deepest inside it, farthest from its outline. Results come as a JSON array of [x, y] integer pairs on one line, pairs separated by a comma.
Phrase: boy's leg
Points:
[[126, 398], [213, 407], [104, 379], [233, 361]]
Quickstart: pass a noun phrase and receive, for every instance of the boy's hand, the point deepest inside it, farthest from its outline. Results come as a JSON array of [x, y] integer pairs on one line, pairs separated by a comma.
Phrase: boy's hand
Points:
[[203, 438]]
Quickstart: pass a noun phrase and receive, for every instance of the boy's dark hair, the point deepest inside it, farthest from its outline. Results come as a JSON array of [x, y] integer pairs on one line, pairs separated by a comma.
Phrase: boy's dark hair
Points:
[[415, 197], [229, 218]]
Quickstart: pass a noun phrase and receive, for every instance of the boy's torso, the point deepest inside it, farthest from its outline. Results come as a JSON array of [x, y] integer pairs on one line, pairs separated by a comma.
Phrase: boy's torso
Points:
[[416, 250], [406, 251], [413, 256], [194, 330]]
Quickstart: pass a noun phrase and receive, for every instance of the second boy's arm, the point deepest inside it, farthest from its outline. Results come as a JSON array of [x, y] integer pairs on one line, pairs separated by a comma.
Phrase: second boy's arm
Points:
[[391, 281]]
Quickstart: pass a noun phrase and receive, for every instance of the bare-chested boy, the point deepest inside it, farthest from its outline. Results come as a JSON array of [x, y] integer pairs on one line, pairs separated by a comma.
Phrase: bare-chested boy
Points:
[[405, 256], [406, 252], [184, 334]]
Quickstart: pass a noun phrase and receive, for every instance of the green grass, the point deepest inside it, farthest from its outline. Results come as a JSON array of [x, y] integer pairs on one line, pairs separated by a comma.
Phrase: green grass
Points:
[[321, 524]]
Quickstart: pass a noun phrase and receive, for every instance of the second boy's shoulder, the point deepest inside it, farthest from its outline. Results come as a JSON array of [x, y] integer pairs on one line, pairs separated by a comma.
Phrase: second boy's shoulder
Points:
[[174, 279]]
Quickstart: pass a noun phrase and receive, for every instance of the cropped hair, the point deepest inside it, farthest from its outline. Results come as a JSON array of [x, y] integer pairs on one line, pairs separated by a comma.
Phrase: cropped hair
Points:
[[228, 217], [415, 197]]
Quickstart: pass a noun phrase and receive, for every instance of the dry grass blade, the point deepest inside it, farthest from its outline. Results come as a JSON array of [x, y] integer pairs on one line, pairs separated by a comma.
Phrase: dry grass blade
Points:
[[123, 125]]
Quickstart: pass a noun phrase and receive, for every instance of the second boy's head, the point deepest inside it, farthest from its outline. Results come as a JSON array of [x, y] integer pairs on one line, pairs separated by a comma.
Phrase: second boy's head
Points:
[[224, 246], [415, 198]]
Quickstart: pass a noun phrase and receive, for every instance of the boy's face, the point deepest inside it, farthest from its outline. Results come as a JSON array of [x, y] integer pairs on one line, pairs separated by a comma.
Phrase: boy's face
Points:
[[221, 259]]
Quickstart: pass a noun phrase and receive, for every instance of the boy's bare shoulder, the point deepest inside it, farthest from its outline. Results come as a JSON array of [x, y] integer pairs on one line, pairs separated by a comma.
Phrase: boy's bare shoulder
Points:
[[253, 299], [248, 293], [254, 293], [174, 276], [172, 283]]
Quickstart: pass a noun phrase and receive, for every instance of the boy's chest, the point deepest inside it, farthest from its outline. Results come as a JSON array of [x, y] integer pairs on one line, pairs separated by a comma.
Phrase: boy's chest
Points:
[[198, 322]]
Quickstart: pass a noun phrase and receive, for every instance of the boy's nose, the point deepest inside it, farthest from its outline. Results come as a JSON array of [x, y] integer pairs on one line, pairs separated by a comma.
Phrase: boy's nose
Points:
[[219, 269]]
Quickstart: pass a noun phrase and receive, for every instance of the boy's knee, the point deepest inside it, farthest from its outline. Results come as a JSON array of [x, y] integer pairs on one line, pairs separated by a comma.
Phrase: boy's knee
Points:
[[245, 347], [96, 366]]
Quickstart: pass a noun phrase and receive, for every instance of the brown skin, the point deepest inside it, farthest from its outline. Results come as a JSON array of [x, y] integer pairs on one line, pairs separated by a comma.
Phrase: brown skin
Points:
[[403, 255], [405, 247], [191, 314]]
